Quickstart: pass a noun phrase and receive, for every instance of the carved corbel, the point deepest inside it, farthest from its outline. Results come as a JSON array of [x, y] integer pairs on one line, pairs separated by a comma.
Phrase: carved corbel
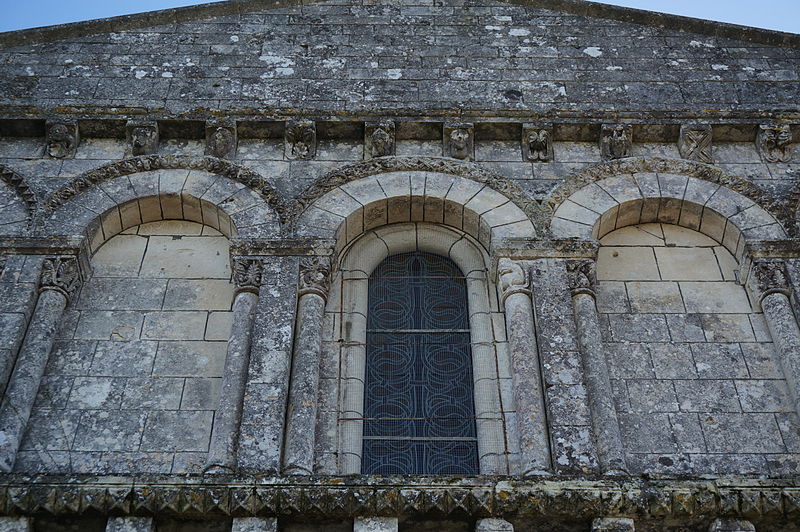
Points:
[[615, 141], [300, 140], [60, 274], [513, 278], [247, 274], [142, 137], [768, 277], [773, 143], [315, 276], [459, 141], [582, 276], [221, 140], [537, 142], [695, 143], [62, 138], [379, 139]]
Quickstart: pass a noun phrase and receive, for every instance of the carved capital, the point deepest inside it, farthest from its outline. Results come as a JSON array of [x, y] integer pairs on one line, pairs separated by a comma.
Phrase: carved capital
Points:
[[615, 141], [513, 278], [61, 274], [247, 274], [773, 143], [300, 140], [582, 276], [695, 143], [142, 137], [769, 276], [315, 276], [221, 140], [459, 141], [62, 138], [379, 139], [537, 142]]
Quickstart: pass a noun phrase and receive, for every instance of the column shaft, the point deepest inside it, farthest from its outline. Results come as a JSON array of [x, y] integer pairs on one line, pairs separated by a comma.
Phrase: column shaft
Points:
[[610, 451], [222, 452], [24, 384], [786, 335], [528, 396], [298, 455]]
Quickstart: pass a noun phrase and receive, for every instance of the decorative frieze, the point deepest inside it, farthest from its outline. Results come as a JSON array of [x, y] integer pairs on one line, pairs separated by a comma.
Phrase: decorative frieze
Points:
[[695, 143], [379, 139], [459, 141], [300, 140], [314, 276], [142, 137], [537, 142], [61, 274], [615, 141], [773, 143], [62, 138], [221, 140], [247, 274], [582, 276]]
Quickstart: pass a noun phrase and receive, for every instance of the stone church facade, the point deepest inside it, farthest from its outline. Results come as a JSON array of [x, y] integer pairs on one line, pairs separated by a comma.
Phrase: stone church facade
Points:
[[399, 265]]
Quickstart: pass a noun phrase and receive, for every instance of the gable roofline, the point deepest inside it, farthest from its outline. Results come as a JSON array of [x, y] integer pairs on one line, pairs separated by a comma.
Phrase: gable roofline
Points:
[[233, 7]]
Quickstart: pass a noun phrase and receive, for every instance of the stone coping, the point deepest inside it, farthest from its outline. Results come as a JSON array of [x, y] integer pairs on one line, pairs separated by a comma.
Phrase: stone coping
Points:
[[232, 7], [311, 497]]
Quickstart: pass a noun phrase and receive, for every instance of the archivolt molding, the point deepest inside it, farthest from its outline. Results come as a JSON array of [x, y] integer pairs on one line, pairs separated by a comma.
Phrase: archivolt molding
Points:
[[18, 182], [382, 165], [713, 174], [148, 163]]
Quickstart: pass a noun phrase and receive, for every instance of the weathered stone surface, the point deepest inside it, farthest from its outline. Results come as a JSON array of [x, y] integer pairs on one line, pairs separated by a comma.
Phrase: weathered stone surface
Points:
[[130, 524]]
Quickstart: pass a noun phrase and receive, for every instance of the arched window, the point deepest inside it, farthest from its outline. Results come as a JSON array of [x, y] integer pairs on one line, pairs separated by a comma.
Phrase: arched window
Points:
[[419, 401]]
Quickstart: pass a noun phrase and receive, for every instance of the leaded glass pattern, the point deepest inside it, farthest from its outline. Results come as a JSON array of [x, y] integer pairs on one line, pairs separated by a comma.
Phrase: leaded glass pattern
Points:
[[419, 413]]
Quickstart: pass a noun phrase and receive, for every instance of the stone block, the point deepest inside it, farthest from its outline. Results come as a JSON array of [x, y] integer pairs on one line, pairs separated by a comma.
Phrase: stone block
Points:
[[117, 325], [16, 524], [254, 524], [202, 294], [123, 359], [763, 395], [688, 432], [152, 393], [186, 257], [708, 297], [190, 359], [114, 294], [727, 327], [375, 524], [96, 393], [71, 357], [685, 327], [613, 524], [104, 430], [177, 431], [628, 361], [655, 297], [719, 361], [646, 433], [672, 361], [638, 327], [742, 433], [761, 360], [119, 257], [627, 264], [174, 325], [130, 524], [493, 525], [707, 396], [201, 394], [652, 396]]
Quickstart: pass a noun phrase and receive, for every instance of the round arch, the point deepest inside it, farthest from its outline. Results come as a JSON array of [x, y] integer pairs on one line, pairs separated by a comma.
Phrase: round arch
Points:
[[109, 206], [728, 209], [345, 208]]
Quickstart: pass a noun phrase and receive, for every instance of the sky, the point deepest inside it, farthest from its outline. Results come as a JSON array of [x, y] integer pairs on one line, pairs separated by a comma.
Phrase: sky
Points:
[[783, 15]]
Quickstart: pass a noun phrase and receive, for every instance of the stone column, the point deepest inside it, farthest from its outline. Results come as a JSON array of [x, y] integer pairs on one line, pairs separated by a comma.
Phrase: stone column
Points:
[[301, 415], [59, 281], [493, 525], [534, 443], [613, 524], [16, 524], [610, 452], [771, 282], [375, 524], [130, 524], [247, 275], [731, 525], [254, 524]]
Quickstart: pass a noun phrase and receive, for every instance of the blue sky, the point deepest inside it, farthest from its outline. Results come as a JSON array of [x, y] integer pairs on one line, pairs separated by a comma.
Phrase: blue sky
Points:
[[781, 15]]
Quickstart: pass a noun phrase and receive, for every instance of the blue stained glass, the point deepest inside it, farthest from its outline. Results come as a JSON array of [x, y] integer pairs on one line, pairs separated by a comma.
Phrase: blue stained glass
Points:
[[418, 402]]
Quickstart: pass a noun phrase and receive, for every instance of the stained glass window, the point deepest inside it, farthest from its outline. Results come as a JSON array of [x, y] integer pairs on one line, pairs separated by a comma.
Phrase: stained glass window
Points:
[[418, 402]]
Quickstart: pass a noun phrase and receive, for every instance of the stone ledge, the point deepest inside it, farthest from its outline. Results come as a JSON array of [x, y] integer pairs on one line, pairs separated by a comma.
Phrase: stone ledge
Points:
[[347, 497]]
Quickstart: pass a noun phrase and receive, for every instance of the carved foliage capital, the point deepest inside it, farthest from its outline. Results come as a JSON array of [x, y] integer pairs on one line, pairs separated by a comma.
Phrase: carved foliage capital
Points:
[[301, 140], [582, 276], [512, 277], [537, 142], [247, 274], [769, 276], [61, 274], [315, 276]]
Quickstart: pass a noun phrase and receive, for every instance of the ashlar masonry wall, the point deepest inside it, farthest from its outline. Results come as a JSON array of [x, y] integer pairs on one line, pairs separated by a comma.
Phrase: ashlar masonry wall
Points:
[[133, 382], [696, 381]]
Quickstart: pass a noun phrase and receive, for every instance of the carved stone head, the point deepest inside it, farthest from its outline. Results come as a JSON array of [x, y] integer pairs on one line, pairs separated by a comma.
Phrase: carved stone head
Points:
[[382, 143], [62, 139], [221, 143], [144, 140]]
